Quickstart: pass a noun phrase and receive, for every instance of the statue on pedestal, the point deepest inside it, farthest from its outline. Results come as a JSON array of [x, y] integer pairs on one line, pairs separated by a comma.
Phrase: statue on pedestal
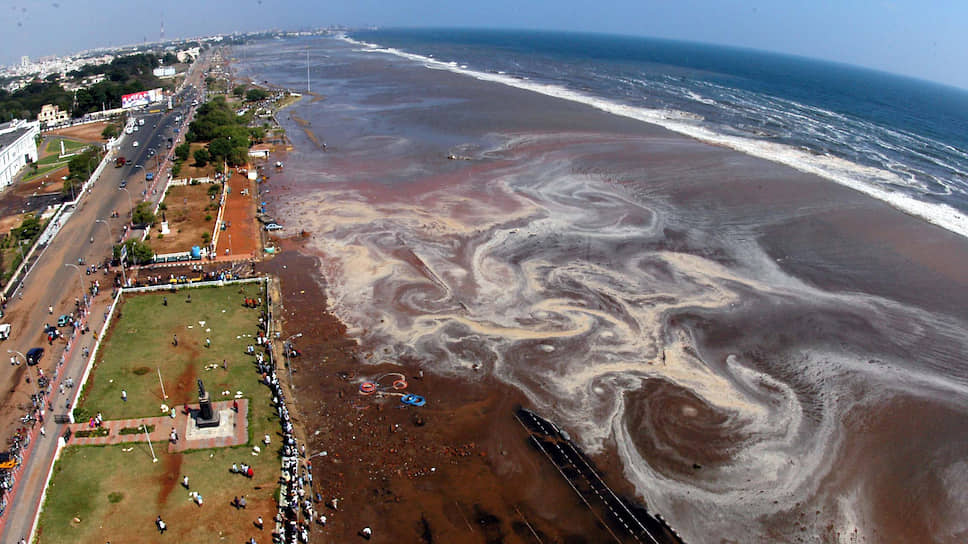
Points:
[[206, 417]]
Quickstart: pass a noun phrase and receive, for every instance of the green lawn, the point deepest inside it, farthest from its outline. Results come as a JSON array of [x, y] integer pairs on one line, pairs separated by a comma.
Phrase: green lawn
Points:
[[44, 169], [117, 494], [70, 146], [140, 344]]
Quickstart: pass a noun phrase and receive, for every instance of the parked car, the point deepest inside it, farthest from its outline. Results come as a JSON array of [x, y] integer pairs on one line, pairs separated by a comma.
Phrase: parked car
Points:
[[150, 176], [134, 144], [124, 183], [34, 355], [4, 331], [273, 226], [63, 320]]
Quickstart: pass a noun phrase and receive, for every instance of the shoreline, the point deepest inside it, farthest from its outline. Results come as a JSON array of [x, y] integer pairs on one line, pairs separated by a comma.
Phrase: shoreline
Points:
[[940, 215], [781, 195]]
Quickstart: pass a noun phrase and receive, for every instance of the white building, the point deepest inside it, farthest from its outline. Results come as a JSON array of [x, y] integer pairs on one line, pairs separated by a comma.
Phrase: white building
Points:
[[51, 115], [17, 146]]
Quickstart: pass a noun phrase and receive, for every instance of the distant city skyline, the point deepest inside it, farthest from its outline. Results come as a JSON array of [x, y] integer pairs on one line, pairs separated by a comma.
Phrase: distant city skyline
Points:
[[906, 37]]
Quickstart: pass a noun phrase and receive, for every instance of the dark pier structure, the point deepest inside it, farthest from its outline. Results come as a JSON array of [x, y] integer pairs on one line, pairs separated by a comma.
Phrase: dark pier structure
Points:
[[625, 520]]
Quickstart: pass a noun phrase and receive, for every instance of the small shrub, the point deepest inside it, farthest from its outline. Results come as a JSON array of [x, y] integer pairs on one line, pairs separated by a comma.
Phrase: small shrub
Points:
[[136, 430], [115, 497], [208, 217], [162, 206], [160, 236], [92, 433], [141, 371]]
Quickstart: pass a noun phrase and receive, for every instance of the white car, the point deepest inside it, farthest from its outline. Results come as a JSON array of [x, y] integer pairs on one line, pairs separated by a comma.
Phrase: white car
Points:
[[135, 144], [273, 226]]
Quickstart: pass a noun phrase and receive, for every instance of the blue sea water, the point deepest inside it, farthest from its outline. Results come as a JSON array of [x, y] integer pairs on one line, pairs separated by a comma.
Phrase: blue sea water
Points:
[[901, 140]]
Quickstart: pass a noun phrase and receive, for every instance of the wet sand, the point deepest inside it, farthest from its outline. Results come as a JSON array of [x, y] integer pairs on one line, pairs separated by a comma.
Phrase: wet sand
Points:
[[457, 470], [746, 348]]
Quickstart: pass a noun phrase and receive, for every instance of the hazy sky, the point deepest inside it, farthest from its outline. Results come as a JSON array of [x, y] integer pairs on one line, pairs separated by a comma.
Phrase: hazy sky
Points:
[[921, 38]]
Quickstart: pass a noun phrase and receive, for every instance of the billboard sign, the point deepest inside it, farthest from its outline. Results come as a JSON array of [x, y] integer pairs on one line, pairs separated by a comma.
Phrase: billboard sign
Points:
[[142, 98]]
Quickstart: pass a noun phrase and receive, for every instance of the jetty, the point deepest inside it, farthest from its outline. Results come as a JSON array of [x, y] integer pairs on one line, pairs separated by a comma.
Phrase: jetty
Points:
[[624, 519]]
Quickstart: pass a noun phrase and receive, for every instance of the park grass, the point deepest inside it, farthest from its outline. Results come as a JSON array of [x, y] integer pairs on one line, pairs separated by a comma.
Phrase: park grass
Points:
[[86, 476], [70, 146], [44, 169], [117, 494], [140, 344]]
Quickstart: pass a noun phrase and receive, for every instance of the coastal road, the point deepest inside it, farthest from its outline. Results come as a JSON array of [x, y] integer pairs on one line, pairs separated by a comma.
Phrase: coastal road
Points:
[[51, 283]]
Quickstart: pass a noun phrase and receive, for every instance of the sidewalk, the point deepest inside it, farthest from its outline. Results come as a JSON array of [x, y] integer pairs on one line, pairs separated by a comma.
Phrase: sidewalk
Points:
[[23, 500]]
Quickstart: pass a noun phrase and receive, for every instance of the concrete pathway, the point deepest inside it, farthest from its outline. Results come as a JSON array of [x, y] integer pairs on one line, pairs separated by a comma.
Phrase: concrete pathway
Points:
[[162, 430]]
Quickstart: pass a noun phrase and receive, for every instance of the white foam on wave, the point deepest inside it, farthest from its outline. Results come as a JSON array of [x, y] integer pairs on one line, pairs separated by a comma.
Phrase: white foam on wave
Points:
[[873, 182]]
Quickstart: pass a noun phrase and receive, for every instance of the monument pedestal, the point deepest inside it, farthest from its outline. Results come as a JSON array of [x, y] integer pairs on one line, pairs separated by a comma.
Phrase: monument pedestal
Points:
[[206, 417]]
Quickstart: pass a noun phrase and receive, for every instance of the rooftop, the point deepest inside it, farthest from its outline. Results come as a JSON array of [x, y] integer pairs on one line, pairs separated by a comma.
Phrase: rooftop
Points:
[[8, 138]]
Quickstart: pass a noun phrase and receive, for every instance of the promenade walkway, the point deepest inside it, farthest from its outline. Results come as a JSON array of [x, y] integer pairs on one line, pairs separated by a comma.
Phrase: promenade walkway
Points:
[[163, 426]]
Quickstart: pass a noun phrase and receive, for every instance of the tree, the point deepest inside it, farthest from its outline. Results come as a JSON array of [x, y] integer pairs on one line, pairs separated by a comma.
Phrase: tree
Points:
[[202, 157], [138, 251], [110, 131], [254, 95], [29, 227], [220, 148], [239, 90], [82, 164], [182, 151], [143, 215], [71, 187]]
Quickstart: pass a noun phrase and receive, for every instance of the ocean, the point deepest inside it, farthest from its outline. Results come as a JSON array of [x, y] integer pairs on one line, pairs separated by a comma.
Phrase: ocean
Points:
[[751, 344], [897, 139]]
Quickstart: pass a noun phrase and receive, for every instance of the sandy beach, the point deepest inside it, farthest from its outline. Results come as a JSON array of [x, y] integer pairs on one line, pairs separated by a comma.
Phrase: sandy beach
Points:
[[755, 353]]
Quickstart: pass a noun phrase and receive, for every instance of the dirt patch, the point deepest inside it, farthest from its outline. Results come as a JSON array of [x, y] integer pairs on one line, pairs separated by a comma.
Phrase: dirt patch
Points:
[[9, 223], [90, 132], [168, 480], [187, 207], [194, 172], [240, 238]]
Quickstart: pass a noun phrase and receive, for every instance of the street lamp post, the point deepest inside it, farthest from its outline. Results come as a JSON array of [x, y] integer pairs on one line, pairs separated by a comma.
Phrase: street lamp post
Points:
[[130, 202], [36, 385], [21, 248], [80, 274], [143, 178], [108, 225]]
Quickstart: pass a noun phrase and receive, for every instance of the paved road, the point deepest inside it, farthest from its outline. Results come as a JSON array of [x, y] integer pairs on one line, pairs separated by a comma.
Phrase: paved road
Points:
[[52, 283]]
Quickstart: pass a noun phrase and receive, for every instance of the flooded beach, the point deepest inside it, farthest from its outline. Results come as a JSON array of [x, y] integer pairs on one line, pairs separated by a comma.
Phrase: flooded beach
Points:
[[755, 353]]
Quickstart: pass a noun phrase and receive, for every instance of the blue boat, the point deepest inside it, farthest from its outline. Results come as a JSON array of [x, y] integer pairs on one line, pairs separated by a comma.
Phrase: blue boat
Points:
[[413, 400]]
